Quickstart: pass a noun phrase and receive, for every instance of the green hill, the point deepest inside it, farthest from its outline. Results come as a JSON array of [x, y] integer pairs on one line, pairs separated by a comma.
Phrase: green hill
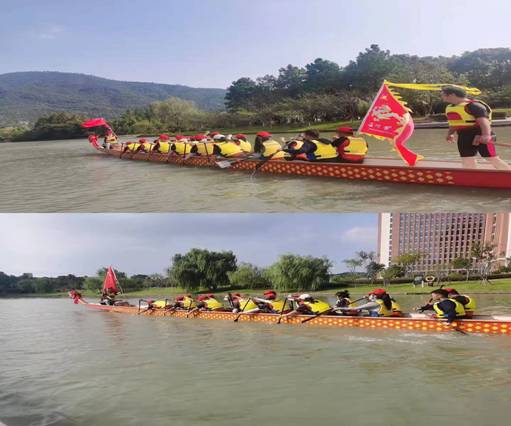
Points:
[[25, 96]]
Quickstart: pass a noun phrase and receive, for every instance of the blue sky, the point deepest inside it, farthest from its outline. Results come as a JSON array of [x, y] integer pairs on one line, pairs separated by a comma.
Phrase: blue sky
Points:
[[210, 43], [59, 244]]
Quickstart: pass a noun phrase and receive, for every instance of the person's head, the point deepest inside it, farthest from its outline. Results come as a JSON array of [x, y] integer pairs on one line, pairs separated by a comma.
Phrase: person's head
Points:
[[345, 294], [439, 294], [453, 95], [305, 297], [201, 297], [263, 136], [311, 134], [164, 137], [219, 138], [451, 292], [344, 132], [270, 295], [241, 137]]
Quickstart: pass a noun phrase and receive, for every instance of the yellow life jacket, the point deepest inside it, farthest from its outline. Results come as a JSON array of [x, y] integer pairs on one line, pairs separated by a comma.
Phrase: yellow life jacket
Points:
[[459, 118], [471, 305], [324, 151], [180, 147], [205, 148], [396, 307], [189, 303], [160, 304], [229, 149], [148, 146], [111, 139], [318, 306], [245, 146], [383, 311], [164, 147], [460, 310], [270, 148], [249, 306], [213, 304], [357, 146], [133, 146], [277, 305]]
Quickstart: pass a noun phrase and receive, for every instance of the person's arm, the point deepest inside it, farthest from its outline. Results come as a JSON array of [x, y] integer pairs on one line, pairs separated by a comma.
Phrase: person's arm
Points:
[[450, 135], [486, 136], [426, 307], [366, 306]]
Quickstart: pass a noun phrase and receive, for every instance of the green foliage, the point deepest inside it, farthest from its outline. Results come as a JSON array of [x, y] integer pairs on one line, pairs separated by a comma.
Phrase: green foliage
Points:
[[293, 272], [202, 269], [249, 276], [27, 283]]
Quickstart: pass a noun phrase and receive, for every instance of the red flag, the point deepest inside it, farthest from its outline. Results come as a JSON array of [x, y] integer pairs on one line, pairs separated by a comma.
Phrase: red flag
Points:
[[388, 118], [110, 285], [95, 122]]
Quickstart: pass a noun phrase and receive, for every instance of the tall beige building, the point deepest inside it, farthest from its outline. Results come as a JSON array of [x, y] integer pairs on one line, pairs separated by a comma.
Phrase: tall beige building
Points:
[[442, 237]]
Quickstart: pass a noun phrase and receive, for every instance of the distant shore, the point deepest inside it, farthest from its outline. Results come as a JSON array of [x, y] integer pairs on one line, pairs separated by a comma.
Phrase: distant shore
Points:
[[497, 286]]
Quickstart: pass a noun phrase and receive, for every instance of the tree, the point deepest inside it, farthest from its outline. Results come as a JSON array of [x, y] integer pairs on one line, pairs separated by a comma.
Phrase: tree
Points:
[[176, 114], [484, 255], [323, 76], [292, 272], [249, 276], [291, 81], [199, 269], [373, 269], [239, 94], [392, 272], [407, 260], [462, 263]]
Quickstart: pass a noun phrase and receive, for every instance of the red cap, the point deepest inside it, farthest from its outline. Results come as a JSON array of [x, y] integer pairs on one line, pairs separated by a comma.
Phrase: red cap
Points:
[[378, 292], [149, 301], [240, 136], [345, 130], [164, 137], [180, 137], [270, 292], [200, 137], [180, 298], [237, 295], [214, 134], [211, 296], [450, 290], [201, 297], [264, 134], [142, 140]]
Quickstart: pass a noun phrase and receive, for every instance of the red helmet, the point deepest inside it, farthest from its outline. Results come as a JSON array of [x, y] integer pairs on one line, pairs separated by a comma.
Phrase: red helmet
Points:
[[348, 130], [142, 140], [180, 298], [264, 134], [270, 294], [164, 137], [201, 297], [451, 290], [211, 296], [212, 134], [237, 295], [378, 292], [240, 136], [180, 137]]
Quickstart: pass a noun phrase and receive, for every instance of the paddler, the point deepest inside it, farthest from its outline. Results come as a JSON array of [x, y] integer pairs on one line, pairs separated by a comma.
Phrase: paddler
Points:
[[471, 120], [444, 307], [308, 305], [351, 149], [269, 303], [162, 144], [241, 303], [267, 147], [241, 140], [181, 146], [110, 138], [225, 148], [315, 148], [469, 303], [208, 302], [107, 297], [379, 304], [184, 302]]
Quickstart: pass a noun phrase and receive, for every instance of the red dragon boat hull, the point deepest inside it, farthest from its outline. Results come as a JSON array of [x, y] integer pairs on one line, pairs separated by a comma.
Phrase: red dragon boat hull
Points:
[[476, 325], [444, 173]]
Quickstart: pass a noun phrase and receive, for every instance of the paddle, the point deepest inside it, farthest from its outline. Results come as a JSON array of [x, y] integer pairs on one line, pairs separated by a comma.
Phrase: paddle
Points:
[[192, 311], [241, 313], [282, 311]]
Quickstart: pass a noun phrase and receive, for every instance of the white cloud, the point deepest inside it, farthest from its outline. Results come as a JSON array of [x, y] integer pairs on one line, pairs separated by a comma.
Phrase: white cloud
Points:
[[51, 32], [361, 235]]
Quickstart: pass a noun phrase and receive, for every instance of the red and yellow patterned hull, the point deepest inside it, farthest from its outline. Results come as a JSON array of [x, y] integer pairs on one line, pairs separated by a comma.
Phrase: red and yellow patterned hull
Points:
[[482, 326], [445, 173]]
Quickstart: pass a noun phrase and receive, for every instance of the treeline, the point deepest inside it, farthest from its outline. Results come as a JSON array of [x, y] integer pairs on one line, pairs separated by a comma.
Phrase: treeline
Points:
[[322, 91], [325, 91]]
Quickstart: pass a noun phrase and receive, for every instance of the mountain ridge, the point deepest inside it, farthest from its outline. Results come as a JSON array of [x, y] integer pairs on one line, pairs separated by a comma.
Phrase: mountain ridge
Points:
[[27, 95]]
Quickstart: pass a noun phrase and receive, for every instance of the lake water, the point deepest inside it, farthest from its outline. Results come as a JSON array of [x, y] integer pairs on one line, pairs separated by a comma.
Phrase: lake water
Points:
[[61, 364], [69, 176]]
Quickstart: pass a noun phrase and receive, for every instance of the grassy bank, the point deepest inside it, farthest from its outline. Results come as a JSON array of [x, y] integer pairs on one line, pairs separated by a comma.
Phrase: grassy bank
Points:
[[471, 287]]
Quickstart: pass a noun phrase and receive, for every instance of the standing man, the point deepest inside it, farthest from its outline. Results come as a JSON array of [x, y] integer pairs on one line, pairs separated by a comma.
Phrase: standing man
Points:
[[471, 120]]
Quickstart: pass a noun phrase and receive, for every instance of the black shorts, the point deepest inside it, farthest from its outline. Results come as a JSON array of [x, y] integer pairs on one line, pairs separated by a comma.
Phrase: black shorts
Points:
[[468, 149]]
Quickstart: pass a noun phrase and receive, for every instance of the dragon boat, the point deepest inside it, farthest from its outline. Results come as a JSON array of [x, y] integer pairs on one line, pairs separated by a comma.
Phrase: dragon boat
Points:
[[479, 324], [427, 172]]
